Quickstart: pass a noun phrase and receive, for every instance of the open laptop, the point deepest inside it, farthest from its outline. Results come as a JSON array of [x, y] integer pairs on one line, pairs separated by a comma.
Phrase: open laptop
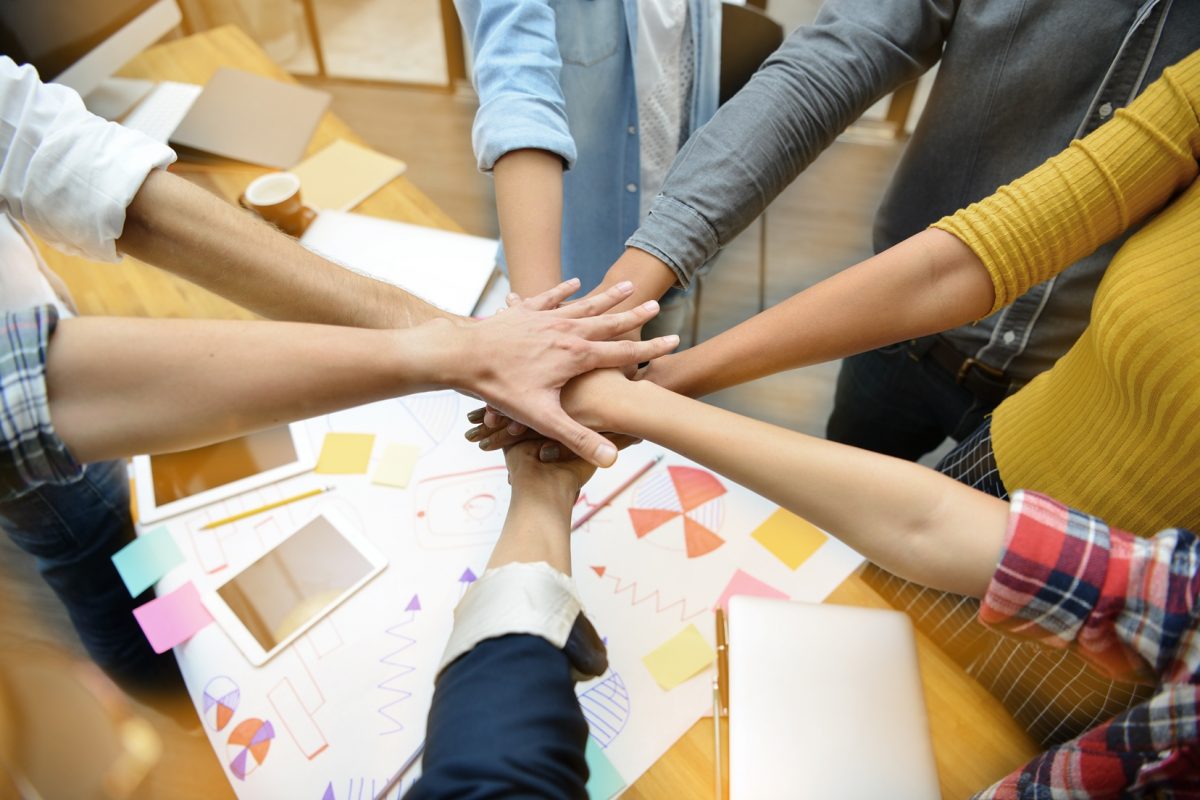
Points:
[[825, 701]]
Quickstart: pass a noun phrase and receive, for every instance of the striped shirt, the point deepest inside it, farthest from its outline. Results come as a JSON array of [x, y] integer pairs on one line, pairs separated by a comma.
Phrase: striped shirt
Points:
[[1127, 605], [31, 453]]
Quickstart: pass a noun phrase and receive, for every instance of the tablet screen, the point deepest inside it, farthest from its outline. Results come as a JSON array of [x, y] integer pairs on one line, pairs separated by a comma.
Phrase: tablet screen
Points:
[[294, 582], [183, 474]]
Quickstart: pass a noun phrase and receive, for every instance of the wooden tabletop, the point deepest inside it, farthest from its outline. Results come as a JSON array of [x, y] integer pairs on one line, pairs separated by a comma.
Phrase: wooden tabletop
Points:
[[975, 740]]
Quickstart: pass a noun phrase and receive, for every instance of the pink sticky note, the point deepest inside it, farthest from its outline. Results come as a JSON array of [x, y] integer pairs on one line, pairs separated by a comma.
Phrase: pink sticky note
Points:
[[745, 583], [173, 618]]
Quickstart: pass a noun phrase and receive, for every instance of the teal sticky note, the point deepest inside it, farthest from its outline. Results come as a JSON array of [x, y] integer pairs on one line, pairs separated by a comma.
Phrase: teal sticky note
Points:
[[603, 779], [146, 559]]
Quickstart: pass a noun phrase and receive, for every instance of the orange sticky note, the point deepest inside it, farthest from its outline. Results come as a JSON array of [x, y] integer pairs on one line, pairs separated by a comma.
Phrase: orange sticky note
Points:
[[345, 453], [789, 538], [679, 658]]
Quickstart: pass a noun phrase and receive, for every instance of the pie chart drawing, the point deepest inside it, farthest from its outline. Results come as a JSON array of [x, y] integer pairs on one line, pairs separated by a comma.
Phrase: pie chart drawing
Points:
[[680, 509], [248, 746], [220, 701]]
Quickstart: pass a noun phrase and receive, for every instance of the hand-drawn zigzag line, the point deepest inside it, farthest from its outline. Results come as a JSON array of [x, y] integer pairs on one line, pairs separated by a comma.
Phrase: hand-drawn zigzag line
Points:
[[632, 588], [402, 669]]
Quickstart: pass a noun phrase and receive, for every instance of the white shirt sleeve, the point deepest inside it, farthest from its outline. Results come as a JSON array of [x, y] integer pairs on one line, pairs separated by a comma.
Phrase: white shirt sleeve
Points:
[[68, 174], [524, 598]]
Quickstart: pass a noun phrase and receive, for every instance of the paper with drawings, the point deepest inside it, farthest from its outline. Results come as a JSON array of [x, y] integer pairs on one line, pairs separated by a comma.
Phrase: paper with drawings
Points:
[[347, 701]]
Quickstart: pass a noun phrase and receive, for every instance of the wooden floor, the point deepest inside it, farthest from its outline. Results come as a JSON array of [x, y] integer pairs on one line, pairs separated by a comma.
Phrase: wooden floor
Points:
[[819, 225]]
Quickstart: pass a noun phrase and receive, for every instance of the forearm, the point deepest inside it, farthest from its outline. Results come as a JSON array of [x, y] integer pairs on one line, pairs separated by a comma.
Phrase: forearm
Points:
[[538, 524], [529, 202], [185, 230], [820, 80], [118, 387], [911, 520], [928, 283]]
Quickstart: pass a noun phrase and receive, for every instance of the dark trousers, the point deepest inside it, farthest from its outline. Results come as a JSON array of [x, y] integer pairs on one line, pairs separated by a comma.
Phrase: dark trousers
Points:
[[72, 531], [890, 402]]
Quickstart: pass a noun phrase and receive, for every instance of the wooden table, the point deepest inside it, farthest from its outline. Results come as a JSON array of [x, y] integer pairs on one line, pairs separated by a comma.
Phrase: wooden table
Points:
[[975, 740]]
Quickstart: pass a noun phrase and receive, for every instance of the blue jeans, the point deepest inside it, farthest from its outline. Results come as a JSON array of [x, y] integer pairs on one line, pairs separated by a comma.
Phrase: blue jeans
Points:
[[73, 530], [891, 403]]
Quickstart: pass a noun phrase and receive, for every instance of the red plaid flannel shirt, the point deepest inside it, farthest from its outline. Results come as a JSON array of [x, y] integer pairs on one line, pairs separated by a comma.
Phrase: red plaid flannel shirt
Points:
[[1129, 606]]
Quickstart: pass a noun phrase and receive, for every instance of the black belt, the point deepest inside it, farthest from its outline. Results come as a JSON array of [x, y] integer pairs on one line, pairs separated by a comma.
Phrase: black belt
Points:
[[988, 384]]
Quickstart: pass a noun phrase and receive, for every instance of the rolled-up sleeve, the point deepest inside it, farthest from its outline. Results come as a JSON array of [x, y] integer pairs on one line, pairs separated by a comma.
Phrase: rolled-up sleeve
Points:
[[516, 74], [68, 174], [31, 454]]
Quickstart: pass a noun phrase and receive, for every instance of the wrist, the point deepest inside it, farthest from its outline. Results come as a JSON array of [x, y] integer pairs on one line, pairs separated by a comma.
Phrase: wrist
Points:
[[625, 412], [439, 355]]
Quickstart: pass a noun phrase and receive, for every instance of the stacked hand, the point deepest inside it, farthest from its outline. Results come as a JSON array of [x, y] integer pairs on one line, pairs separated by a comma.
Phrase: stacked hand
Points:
[[519, 360]]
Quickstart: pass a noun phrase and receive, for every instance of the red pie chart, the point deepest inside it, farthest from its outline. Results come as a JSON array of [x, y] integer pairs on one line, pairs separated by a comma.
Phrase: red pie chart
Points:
[[680, 509]]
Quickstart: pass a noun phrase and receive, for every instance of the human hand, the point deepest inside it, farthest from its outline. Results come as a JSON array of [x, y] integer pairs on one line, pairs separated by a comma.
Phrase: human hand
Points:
[[604, 409], [519, 360], [527, 473]]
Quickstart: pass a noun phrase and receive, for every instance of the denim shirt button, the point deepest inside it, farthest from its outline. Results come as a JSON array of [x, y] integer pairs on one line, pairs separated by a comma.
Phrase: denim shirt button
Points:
[[632, 129], [1105, 110], [631, 187], [1009, 337]]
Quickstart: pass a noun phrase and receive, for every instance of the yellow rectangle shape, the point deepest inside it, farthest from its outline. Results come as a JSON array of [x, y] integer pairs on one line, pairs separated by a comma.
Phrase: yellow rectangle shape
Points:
[[396, 466], [791, 539], [679, 658], [345, 453]]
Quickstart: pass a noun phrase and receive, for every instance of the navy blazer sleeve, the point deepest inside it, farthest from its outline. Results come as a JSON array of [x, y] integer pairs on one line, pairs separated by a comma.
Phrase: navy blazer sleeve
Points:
[[505, 722]]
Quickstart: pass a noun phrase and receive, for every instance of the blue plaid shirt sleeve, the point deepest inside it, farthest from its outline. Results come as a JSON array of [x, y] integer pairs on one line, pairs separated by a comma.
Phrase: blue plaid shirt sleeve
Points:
[[32, 452]]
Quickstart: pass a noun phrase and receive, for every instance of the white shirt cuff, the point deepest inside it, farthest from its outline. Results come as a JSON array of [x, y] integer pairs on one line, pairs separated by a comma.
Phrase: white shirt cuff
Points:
[[533, 599]]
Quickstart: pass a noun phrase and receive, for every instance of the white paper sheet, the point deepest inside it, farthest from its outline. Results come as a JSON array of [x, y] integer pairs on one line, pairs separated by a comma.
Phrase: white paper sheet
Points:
[[347, 702], [449, 270]]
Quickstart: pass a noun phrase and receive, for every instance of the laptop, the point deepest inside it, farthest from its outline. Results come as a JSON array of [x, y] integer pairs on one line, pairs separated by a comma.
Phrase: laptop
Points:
[[825, 701]]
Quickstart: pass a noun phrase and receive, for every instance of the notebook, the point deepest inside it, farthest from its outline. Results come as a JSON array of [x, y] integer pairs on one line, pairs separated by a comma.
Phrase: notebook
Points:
[[344, 174], [825, 701], [247, 117]]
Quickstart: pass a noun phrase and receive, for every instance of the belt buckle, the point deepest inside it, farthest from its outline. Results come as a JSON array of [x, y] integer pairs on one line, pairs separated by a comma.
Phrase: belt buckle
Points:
[[969, 362]]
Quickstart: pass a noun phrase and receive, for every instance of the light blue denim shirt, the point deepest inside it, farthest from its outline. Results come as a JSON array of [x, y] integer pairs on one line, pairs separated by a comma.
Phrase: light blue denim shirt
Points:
[[557, 75]]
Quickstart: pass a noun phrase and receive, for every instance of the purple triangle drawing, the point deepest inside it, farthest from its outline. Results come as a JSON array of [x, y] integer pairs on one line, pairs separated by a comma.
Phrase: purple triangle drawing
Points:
[[414, 604], [467, 576], [329, 795]]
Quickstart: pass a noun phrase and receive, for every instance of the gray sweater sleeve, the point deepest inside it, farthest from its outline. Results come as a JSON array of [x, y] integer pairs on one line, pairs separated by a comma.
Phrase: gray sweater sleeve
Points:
[[822, 78]]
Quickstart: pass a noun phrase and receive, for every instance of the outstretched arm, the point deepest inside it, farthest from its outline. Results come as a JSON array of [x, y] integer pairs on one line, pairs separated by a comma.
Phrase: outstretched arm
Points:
[[185, 230], [983, 257], [513, 624], [909, 519], [99, 387]]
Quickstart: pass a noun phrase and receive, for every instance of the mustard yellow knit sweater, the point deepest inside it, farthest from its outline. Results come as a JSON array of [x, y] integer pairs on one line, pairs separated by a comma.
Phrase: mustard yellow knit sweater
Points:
[[1114, 427]]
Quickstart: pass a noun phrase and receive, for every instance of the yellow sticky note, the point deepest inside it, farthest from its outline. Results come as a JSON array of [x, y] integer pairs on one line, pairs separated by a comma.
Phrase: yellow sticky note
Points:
[[789, 538], [679, 658], [396, 466], [345, 453]]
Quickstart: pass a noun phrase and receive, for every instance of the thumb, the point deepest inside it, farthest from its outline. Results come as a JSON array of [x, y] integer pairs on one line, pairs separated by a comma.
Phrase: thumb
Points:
[[582, 440]]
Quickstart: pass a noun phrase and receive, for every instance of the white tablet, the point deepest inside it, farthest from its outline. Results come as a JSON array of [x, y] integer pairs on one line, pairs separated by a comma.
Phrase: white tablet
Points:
[[173, 483], [265, 606]]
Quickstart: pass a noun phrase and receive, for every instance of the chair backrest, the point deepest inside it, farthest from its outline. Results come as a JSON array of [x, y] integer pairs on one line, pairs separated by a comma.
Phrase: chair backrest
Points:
[[748, 36]]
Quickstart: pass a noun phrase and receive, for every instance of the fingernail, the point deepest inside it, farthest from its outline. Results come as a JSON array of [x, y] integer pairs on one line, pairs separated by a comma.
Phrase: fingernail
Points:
[[515, 428], [476, 416], [672, 339], [512, 297], [650, 305], [473, 434], [549, 453], [606, 454], [625, 286], [486, 443]]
